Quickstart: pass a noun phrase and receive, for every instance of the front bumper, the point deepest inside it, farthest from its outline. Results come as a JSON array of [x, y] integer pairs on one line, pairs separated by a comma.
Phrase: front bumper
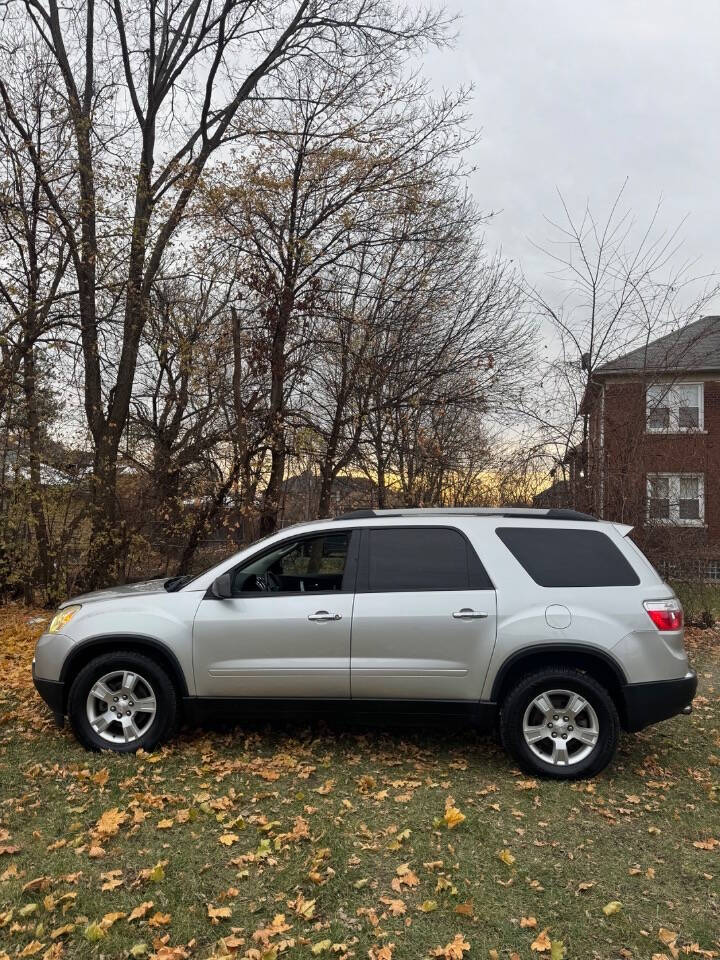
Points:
[[647, 703], [52, 692]]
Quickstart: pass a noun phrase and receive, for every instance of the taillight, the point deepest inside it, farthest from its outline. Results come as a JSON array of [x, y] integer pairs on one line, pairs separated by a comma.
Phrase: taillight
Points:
[[665, 614]]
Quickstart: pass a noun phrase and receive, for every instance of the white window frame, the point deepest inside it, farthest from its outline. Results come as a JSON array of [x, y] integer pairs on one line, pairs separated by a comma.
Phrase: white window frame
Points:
[[674, 495], [675, 407]]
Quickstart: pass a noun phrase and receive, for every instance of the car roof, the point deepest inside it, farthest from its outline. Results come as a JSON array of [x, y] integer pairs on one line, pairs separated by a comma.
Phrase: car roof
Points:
[[527, 513]]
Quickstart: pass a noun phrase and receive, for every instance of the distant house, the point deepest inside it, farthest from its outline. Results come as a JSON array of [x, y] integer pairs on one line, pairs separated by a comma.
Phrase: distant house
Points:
[[652, 453]]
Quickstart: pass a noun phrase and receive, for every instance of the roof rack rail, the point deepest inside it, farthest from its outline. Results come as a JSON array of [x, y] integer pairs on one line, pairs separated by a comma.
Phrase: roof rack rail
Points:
[[520, 513]]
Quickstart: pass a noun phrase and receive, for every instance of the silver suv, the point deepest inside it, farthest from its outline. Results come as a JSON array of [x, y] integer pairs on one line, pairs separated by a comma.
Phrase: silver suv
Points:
[[547, 624]]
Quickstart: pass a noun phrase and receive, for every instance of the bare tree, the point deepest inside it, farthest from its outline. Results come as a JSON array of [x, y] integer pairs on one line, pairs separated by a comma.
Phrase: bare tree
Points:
[[33, 268], [340, 149], [153, 59], [621, 286]]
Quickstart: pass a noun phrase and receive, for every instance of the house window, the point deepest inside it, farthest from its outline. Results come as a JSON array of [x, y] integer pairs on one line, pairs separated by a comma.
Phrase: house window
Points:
[[676, 498], [674, 407]]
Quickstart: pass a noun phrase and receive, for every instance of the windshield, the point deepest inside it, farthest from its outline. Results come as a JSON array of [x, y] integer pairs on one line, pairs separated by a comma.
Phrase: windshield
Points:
[[177, 583]]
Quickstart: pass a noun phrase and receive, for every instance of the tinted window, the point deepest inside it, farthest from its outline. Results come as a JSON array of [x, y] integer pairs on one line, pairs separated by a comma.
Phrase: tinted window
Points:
[[417, 559], [568, 558]]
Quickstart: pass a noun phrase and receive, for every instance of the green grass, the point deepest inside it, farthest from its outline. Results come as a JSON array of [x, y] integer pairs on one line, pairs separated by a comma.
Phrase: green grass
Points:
[[362, 803]]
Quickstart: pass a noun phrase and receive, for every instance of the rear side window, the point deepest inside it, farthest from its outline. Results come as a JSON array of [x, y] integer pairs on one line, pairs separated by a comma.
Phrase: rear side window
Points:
[[558, 557], [422, 558]]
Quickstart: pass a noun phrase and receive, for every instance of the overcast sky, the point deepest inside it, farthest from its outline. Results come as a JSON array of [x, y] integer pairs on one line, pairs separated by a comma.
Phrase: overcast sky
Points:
[[578, 96]]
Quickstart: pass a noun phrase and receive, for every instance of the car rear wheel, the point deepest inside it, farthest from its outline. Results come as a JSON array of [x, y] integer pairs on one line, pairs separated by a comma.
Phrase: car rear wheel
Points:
[[122, 701], [560, 723]]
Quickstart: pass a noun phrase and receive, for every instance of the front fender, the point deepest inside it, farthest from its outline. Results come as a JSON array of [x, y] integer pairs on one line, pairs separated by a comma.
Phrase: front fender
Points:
[[144, 620]]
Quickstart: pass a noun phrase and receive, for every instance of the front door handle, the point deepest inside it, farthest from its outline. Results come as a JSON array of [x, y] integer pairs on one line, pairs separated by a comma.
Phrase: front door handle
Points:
[[324, 615], [467, 614]]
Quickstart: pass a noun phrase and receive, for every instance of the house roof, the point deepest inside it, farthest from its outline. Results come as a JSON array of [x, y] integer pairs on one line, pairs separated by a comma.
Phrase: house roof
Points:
[[693, 347]]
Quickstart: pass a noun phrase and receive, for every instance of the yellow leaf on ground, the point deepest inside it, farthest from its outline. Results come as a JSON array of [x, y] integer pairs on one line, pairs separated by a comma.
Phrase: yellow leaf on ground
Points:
[[228, 839], [321, 947], [453, 950], [428, 906], [101, 777], [396, 907], [94, 932], [165, 824], [218, 913], [381, 953], [112, 878], [506, 857], [110, 918], [453, 817], [140, 912], [613, 907], [541, 944], [32, 948], [159, 920], [303, 908], [528, 922], [110, 822], [405, 878]]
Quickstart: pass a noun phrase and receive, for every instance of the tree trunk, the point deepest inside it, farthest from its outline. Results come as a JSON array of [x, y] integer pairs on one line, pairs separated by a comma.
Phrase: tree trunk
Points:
[[43, 571], [277, 440]]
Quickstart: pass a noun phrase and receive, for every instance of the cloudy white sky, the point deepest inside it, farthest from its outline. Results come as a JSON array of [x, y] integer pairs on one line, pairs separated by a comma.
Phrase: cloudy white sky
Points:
[[579, 96]]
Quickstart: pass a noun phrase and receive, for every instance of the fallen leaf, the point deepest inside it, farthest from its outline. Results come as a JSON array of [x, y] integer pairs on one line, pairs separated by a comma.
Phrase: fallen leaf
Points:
[[110, 822], [405, 878], [506, 857], [218, 913], [613, 907], [321, 946], [541, 944], [453, 817], [94, 932], [453, 950], [159, 920], [395, 907], [228, 839], [140, 912], [110, 918]]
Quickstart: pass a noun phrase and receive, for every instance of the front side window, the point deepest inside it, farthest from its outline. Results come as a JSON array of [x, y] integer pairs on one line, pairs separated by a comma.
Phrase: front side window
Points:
[[417, 558], [674, 408], [676, 498], [303, 565]]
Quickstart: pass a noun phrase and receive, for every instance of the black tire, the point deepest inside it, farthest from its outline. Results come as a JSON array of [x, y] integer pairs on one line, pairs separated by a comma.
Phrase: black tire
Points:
[[521, 696], [160, 728]]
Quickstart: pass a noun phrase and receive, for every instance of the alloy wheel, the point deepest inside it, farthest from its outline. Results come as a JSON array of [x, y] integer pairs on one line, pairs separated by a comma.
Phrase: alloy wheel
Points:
[[560, 727], [121, 706]]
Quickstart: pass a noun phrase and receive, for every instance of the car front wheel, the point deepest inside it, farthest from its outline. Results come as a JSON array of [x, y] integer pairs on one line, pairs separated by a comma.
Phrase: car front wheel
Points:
[[560, 723], [122, 701]]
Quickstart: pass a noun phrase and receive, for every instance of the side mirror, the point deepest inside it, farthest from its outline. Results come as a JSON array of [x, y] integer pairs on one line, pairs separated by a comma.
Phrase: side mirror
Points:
[[222, 587]]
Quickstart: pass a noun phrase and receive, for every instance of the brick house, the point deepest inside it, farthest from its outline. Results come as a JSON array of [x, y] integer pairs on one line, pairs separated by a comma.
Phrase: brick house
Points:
[[651, 456]]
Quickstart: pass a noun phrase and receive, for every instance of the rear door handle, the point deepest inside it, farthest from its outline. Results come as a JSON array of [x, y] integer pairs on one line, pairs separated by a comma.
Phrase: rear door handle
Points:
[[467, 614], [324, 615]]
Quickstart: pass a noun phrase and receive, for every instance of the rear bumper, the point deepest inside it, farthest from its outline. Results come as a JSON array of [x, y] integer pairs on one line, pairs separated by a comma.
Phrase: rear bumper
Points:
[[647, 703]]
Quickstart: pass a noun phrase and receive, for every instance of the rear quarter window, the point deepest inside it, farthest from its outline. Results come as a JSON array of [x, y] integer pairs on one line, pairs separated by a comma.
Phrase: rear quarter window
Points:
[[559, 557]]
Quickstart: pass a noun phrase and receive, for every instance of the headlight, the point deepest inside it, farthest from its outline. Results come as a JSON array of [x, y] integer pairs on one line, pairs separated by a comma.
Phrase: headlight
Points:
[[63, 617]]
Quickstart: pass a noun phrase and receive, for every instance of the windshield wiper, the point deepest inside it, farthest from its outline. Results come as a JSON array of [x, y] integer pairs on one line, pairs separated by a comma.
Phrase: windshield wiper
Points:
[[177, 583]]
